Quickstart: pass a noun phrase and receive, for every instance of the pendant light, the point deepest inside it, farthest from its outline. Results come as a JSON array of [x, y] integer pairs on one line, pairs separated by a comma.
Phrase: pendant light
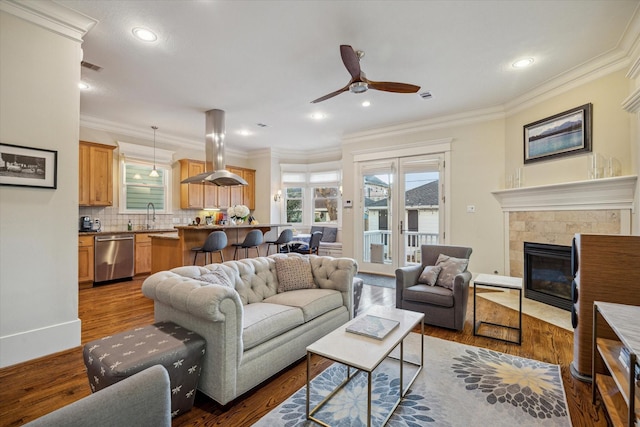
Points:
[[154, 173]]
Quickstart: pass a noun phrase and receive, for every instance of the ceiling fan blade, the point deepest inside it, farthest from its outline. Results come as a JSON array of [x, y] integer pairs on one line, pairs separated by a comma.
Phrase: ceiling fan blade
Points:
[[331, 95], [350, 60], [393, 87]]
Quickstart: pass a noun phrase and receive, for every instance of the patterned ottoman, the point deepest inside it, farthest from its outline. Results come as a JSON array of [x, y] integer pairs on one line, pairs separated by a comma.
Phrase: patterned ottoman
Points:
[[114, 358]]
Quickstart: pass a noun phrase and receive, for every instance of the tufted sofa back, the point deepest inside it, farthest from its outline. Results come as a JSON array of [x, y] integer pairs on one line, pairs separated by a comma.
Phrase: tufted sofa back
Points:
[[255, 279]]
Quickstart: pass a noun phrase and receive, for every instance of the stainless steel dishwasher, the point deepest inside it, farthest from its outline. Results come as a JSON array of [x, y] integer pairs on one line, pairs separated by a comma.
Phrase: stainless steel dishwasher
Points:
[[113, 257]]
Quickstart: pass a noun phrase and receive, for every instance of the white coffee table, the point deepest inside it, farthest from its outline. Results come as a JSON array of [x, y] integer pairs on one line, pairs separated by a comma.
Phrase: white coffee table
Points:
[[504, 282], [365, 353]]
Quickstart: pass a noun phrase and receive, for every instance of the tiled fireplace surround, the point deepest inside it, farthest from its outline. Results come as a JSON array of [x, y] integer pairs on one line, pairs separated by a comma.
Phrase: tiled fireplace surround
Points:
[[555, 213]]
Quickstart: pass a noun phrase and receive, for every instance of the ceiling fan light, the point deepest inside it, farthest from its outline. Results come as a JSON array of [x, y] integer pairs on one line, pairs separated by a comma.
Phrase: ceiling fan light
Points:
[[358, 87]]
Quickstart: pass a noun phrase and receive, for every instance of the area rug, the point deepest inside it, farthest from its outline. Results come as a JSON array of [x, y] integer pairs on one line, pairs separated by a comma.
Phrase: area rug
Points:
[[378, 280], [460, 385]]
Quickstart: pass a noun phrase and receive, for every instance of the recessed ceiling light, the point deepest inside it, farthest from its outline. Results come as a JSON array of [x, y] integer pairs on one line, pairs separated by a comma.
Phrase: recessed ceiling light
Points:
[[366, 103], [318, 116], [83, 86], [144, 34], [522, 63], [244, 132]]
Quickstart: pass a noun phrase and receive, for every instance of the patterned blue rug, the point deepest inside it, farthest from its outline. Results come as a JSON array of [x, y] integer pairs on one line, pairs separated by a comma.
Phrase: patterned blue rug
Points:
[[460, 385]]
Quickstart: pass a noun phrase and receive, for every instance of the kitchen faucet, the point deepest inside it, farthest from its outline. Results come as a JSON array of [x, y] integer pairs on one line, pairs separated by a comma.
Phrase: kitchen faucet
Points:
[[154, 214]]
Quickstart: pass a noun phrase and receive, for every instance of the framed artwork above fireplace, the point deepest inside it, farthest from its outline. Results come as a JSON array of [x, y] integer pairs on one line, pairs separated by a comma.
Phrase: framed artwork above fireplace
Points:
[[563, 134]]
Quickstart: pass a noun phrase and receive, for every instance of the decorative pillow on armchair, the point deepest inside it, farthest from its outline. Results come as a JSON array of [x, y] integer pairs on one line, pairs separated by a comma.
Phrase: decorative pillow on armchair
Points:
[[429, 275], [294, 272], [451, 267]]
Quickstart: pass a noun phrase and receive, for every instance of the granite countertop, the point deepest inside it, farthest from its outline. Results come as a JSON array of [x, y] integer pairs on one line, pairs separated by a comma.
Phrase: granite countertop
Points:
[[102, 233], [218, 227]]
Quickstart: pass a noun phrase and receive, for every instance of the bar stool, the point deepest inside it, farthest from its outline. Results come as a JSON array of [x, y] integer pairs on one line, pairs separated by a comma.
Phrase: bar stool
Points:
[[253, 239], [216, 241], [285, 237], [314, 245]]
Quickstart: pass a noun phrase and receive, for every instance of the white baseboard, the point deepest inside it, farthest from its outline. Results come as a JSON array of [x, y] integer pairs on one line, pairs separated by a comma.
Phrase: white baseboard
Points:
[[18, 348]]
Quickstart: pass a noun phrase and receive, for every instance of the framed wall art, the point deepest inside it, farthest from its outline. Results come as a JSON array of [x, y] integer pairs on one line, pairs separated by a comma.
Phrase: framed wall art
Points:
[[28, 167], [564, 134]]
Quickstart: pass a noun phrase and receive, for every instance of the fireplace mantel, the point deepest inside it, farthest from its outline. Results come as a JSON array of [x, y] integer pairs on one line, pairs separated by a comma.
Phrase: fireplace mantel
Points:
[[605, 193]]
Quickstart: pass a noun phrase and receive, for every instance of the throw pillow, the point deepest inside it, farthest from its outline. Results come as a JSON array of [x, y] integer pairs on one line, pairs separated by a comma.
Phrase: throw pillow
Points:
[[451, 267], [294, 272], [430, 274], [329, 235]]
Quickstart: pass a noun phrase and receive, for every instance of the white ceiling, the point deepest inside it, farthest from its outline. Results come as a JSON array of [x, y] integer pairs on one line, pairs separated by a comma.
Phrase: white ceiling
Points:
[[264, 61]]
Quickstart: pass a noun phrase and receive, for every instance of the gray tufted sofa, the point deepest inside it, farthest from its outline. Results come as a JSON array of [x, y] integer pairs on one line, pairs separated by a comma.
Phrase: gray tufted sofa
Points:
[[252, 331]]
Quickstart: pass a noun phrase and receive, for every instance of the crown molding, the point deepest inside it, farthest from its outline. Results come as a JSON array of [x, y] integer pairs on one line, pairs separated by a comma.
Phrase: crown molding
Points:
[[632, 103], [52, 16], [596, 194], [309, 156], [595, 69], [465, 118]]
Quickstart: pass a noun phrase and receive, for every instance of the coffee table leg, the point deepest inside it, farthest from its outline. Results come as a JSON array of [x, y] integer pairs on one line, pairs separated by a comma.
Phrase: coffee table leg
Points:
[[308, 381], [369, 399], [402, 391]]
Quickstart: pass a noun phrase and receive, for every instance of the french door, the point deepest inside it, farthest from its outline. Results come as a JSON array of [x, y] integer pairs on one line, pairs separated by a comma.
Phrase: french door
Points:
[[401, 208]]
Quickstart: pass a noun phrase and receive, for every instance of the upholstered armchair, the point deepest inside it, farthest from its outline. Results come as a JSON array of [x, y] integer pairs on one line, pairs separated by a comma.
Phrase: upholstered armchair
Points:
[[440, 291]]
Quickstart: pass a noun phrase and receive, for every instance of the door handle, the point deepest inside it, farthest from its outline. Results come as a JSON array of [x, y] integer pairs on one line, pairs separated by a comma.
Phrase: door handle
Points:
[[401, 227]]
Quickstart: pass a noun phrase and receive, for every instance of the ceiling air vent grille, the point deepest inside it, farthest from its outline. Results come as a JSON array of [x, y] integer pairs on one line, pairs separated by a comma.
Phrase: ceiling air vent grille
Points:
[[426, 95], [91, 66]]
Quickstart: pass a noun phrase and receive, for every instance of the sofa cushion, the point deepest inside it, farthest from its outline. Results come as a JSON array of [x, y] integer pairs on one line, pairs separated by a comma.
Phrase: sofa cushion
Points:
[[294, 273], [436, 295], [451, 267], [329, 235], [312, 302], [429, 275], [261, 322]]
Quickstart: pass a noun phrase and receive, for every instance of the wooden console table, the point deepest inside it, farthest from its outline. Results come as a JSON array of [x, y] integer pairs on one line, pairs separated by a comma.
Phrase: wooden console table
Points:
[[617, 384]]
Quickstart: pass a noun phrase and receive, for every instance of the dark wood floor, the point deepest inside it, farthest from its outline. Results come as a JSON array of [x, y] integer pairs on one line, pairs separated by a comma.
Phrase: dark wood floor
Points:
[[34, 388]]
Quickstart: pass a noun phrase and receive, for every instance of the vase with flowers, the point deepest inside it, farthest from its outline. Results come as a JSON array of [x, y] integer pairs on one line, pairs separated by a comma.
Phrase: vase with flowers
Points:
[[238, 214]]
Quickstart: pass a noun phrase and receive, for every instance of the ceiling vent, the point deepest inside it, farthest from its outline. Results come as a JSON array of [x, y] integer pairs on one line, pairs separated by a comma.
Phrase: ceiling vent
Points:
[[426, 95], [91, 66]]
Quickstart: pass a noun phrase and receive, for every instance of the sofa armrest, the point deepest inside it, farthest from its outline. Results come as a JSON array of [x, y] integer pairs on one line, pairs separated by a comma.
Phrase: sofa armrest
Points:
[[335, 273], [143, 399], [191, 296], [406, 277]]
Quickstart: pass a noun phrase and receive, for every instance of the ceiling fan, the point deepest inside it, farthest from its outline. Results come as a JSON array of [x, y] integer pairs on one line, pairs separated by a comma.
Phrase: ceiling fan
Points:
[[359, 82]]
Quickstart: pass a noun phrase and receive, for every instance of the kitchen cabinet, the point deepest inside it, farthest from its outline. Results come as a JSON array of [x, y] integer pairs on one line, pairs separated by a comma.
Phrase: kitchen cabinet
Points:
[[204, 196], [616, 381], [191, 195], [142, 253], [95, 174], [85, 258]]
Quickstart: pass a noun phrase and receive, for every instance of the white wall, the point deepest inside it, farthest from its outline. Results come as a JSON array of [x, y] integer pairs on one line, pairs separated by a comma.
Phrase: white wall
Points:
[[39, 108], [611, 131], [476, 167]]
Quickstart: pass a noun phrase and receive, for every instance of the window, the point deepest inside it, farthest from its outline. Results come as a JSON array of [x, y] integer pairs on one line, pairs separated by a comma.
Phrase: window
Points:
[[140, 189], [293, 200], [312, 193], [325, 205]]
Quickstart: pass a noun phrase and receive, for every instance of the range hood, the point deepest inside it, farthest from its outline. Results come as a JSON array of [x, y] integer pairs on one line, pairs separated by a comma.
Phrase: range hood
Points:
[[214, 149]]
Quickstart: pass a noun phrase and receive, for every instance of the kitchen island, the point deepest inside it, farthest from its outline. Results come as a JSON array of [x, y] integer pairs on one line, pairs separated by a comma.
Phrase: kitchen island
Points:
[[168, 252]]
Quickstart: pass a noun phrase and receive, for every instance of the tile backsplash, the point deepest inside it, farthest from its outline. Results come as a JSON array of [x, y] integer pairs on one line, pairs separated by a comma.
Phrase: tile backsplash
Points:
[[112, 220]]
